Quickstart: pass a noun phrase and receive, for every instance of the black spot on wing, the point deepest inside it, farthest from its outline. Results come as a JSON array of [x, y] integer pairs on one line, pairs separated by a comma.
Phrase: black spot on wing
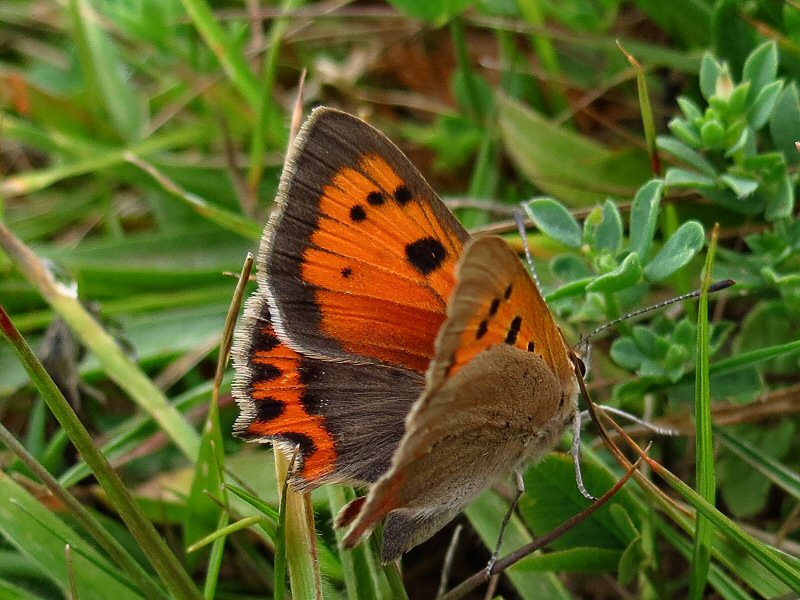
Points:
[[508, 291], [375, 198], [531, 347], [403, 195], [313, 376], [268, 409], [493, 308], [263, 372], [357, 213], [307, 445], [264, 341], [513, 330], [426, 254], [482, 329], [347, 272]]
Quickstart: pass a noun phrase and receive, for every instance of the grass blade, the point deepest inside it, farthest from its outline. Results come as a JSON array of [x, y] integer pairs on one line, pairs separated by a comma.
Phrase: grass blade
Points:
[[774, 470], [119, 367], [231, 60], [782, 566], [107, 542], [300, 538], [706, 480], [151, 542], [356, 563], [267, 108]]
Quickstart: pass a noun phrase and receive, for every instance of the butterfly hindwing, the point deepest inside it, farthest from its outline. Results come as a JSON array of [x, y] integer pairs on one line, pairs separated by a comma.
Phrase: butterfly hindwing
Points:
[[361, 255], [317, 406], [490, 401]]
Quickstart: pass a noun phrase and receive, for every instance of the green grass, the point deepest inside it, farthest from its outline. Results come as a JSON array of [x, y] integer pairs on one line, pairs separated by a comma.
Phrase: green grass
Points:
[[142, 146]]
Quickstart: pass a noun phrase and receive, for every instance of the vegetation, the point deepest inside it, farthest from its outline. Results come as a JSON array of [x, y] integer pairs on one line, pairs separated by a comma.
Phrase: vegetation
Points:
[[142, 143]]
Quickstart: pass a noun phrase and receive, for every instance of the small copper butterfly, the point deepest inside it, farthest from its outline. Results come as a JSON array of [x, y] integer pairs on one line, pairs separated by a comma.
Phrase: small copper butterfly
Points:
[[390, 347]]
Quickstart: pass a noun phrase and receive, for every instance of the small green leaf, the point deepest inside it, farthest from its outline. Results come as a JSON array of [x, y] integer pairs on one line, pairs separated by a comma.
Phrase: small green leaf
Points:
[[555, 221], [626, 353], [689, 108], [713, 134], [651, 345], [569, 290], [568, 267], [745, 479], [761, 67], [737, 102], [608, 234], [686, 154], [552, 496], [733, 133], [679, 250], [673, 361], [628, 273], [741, 186], [762, 107], [684, 333], [681, 178], [644, 215], [781, 204], [745, 140], [624, 521], [710, 71], [769, 163], [630, 563], [685, 132], [764, 454], [784, 123], [562, 163]]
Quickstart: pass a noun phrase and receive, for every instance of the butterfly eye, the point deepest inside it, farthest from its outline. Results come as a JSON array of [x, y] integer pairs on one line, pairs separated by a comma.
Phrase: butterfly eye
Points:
[[581, 366]]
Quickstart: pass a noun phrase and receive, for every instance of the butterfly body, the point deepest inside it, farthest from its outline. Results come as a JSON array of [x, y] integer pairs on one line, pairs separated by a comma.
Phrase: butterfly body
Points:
[[390, 347]]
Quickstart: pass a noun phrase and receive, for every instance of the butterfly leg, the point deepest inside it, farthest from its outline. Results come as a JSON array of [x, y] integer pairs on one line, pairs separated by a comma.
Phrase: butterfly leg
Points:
[[576, 455], [448, 560], [659, 429], [520, 484]]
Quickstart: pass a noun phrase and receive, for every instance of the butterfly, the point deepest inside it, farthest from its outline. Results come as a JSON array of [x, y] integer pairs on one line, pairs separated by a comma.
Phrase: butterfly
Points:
[[389, 348]]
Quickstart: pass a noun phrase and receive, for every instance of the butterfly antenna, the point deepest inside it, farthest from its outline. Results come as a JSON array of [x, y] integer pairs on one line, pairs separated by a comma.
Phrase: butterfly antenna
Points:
[[519, 219], [714, 287], [577, 425]]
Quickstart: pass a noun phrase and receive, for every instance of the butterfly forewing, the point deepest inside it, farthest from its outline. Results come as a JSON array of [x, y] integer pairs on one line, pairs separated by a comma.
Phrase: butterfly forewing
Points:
[[361, 255], [498, 303]]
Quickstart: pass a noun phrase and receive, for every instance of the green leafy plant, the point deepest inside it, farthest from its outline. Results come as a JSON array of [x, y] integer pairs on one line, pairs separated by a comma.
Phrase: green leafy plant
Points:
[[142, 145], [721, 141]]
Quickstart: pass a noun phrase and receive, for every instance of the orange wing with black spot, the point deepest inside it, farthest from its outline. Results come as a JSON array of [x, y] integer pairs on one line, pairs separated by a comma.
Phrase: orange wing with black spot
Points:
[[361, 255], [502, 305]]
